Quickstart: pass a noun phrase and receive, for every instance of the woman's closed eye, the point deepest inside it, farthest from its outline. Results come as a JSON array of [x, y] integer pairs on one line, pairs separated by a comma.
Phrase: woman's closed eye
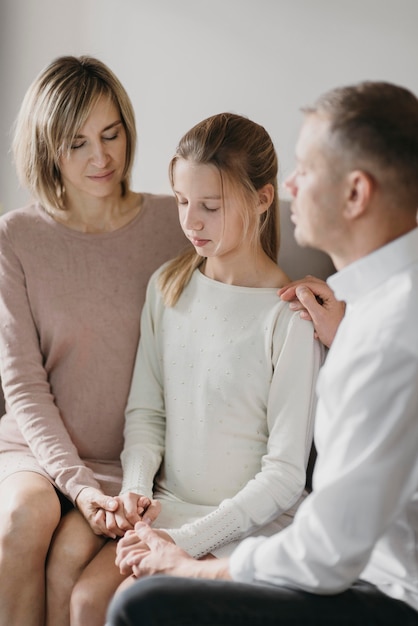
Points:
[[82, 142], [112, 137]]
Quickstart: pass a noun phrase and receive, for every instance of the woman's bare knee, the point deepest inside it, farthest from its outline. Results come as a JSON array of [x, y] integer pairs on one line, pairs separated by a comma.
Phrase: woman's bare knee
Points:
[[29, 513]]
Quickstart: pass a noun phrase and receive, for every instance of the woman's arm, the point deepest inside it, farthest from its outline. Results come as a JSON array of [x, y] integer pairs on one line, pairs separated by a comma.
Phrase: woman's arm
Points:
[[25, 381]]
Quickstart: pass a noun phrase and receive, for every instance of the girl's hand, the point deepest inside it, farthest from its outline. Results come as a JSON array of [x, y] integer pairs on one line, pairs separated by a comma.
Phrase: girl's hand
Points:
[[132, 508]]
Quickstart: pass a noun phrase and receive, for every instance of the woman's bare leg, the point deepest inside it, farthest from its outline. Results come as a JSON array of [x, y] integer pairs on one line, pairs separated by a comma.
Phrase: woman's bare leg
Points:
[[72, 548], [29, 514], [95, 588]]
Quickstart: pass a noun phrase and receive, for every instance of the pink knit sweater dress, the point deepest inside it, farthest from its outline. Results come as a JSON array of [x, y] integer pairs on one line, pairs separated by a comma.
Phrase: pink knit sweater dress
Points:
[[70, 307]]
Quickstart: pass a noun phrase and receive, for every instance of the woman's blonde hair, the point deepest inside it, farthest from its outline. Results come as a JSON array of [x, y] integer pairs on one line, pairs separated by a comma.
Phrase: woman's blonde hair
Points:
[[55, 107], [244, 155]]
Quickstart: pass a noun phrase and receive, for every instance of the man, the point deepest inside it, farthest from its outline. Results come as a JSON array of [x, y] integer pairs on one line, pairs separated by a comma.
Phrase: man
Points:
[[351, 554]]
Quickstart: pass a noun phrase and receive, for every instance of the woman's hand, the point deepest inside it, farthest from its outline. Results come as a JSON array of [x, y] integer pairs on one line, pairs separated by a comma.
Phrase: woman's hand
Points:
[[95, 506], [317, 303]]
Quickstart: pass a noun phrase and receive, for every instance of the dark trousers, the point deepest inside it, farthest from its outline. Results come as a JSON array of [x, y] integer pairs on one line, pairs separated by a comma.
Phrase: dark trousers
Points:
[[166, 601]]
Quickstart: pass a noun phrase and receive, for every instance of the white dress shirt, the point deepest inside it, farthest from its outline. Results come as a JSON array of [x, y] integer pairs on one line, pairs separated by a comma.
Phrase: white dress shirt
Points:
[[361, 521]]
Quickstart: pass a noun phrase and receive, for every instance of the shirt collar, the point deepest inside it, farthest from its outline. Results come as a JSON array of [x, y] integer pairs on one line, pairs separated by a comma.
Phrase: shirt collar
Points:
[[360, 277]]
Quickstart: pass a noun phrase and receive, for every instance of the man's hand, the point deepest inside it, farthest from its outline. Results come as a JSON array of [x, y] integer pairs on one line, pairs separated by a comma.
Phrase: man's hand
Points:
[[144, 552], [317, 303]]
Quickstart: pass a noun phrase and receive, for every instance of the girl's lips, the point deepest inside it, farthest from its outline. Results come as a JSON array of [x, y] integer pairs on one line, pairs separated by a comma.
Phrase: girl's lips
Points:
[[199, 243]]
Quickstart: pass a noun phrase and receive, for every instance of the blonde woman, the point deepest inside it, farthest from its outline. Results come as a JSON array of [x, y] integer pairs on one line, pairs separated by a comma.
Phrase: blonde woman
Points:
[[73, 272]]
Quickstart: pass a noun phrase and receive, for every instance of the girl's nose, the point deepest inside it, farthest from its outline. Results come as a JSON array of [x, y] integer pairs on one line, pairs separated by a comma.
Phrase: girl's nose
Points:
[[191, 219]]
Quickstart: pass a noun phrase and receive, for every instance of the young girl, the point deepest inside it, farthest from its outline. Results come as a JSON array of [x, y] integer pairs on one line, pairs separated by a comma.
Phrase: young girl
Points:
[[219, 418]]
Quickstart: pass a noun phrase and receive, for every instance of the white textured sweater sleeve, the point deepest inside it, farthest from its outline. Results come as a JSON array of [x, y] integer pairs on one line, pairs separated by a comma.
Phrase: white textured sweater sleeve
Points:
[[145, 412], [296, 359]]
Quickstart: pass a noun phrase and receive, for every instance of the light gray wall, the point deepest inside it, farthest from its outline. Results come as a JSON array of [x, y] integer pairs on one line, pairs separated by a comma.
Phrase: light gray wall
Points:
[[182, 60]]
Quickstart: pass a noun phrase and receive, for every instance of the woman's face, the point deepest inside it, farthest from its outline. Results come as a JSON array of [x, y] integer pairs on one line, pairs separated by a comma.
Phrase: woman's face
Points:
[[94, 165]]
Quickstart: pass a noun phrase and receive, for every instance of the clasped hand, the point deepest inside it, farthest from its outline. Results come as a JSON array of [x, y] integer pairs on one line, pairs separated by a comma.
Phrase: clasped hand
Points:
[[113, 516], [145, 551]]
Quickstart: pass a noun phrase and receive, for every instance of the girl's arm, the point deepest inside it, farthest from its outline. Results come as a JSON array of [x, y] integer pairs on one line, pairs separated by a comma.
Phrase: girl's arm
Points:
[[145, 412]]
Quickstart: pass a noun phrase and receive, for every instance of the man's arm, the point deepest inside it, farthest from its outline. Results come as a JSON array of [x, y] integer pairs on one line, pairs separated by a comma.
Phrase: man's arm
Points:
[[144, 552]]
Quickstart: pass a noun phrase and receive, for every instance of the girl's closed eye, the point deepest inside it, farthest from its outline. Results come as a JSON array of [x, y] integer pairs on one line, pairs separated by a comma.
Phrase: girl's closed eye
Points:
[[211, 208]]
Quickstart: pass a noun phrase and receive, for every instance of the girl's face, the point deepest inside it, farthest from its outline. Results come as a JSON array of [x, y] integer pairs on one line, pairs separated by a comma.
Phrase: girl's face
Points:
[[213, 231], [96, 161]]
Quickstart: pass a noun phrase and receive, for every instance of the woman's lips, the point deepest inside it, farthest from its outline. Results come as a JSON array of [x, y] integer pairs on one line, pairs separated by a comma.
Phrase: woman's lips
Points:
[[102, 177]]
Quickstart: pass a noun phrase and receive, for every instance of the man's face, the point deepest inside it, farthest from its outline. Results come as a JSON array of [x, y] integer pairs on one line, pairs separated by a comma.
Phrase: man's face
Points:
[[317, 189]]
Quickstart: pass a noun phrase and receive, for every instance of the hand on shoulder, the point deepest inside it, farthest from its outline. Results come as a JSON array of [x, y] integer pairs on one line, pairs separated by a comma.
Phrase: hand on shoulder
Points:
[[317, 303]]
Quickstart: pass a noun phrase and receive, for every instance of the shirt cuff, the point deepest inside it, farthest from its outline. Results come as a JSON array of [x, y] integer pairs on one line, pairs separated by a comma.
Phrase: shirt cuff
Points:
[[241, 561]]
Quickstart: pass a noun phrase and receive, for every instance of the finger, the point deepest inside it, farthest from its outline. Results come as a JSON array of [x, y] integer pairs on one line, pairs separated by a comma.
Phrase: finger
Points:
[[288, 292], [111, 526], [134, 508], [123, 522], [309, 301], [108, 504], [98, 524], [143, 503], [128, 555], [305, 315], [129, 539], [148, 535], [152, 512], [296, 305]]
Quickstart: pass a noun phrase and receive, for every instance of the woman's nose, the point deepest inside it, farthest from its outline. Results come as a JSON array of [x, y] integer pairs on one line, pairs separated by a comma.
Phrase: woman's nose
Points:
[[99, 156]]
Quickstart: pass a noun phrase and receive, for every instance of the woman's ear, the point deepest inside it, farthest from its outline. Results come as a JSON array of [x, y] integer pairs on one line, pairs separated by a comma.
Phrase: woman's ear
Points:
[[360, 188], [265, 197]]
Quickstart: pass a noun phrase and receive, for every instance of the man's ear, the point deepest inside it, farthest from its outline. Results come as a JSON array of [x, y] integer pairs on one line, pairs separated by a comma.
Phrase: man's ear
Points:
[[266, 197], [359, 191]]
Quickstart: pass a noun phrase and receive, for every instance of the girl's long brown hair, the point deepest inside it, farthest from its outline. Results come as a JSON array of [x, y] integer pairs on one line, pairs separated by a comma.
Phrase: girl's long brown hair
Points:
[[245, 157]]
